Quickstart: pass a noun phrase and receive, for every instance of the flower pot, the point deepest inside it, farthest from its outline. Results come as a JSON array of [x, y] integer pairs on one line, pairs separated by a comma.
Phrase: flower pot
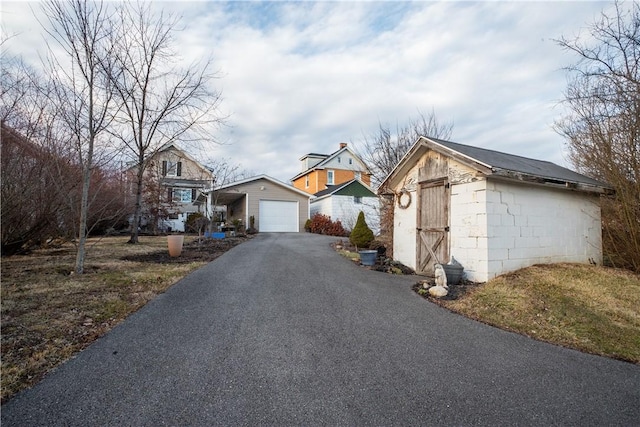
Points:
[[175, 245], [368, 257]]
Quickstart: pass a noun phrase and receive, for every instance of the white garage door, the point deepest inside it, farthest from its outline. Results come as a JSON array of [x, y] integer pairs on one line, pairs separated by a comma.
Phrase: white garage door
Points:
[[278, 216]]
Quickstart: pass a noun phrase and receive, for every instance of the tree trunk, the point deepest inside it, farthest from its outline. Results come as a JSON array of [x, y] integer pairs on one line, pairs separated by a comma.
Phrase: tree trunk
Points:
[[84, 208], [82, 229], [138, 211]]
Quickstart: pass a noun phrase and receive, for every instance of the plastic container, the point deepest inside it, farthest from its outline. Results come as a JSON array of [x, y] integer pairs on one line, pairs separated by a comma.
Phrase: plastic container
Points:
[[368, 257]]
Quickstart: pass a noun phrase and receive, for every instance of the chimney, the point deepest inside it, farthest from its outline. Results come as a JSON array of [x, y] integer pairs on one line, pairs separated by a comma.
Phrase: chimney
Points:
[[342, 145]]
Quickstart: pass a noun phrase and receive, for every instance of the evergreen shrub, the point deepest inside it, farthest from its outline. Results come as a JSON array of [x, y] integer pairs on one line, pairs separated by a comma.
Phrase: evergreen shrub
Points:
[[361, 235]]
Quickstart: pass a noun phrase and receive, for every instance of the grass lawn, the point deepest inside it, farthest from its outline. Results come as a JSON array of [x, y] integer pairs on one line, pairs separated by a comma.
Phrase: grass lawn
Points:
[[592, 309], [48, 313]]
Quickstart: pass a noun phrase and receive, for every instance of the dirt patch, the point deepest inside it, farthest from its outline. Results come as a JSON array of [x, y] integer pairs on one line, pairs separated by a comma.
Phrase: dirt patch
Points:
[[205, 250]]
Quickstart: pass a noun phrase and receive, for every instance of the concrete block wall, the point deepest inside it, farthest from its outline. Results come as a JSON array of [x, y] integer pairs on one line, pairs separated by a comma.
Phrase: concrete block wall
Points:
[[529, 225], [468, 228]]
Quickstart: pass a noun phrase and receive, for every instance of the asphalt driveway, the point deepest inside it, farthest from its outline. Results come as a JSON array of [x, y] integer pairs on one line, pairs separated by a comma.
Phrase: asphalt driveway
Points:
[[282, 330]]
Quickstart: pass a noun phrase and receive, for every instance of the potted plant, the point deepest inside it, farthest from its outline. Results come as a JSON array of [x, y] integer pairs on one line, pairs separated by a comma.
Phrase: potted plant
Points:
[[361, 236]]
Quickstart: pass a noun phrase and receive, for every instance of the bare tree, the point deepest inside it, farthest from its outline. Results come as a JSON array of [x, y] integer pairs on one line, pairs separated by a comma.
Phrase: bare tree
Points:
[[384, 149], [35, 172], [162, 103], [82, 86], [602, 126]]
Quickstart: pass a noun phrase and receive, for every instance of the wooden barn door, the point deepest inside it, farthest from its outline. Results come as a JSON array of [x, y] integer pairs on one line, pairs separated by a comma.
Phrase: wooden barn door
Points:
[[433, 225]]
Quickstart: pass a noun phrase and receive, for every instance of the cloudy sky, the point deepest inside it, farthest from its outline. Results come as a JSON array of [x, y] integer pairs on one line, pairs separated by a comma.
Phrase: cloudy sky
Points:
[[300, 77]]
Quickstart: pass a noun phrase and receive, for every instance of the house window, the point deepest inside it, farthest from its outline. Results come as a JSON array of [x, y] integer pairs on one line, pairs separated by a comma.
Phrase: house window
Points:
[[358, 175], [306, 181], [339, 159], [329, 177], [171, 168], [182, 195], [350, 161], [357, 200]]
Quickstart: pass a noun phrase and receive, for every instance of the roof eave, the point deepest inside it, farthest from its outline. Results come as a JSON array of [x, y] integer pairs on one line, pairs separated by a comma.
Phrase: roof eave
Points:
[[510, 175]]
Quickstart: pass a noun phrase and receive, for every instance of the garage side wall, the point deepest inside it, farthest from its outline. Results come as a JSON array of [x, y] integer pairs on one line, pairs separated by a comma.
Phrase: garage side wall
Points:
[[529, 225]]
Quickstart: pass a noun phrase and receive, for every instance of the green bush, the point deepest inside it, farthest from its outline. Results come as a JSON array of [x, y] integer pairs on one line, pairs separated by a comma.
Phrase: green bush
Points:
[[361, 235]]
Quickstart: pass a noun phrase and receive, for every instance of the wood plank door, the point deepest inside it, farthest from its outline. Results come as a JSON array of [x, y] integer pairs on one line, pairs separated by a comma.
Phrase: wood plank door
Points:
[[432, 225]]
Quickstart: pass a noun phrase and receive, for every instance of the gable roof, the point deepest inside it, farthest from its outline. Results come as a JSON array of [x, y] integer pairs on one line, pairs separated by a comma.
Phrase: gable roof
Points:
[[259, 177], [167, 147], [327, 159], [350, 188], [499, 164]]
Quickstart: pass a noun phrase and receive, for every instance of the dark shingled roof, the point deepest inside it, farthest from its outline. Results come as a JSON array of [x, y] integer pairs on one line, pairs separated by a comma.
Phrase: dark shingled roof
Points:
[[509, 162]]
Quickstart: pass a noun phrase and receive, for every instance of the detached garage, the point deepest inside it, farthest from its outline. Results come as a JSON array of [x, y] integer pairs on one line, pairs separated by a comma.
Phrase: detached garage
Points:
[[275, 206]]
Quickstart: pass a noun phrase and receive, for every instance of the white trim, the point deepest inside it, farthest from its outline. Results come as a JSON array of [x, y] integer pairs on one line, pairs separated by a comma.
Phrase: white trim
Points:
[[333, 177]]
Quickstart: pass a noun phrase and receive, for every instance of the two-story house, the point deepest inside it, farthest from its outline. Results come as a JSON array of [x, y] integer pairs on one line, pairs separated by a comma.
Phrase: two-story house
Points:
[[175, 185], [319, 171], [340, 183]]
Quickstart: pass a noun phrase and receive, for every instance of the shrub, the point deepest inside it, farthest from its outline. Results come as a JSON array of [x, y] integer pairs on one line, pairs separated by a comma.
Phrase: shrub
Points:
[[196, 222], [361, 235], [322, 224], [307, 225]]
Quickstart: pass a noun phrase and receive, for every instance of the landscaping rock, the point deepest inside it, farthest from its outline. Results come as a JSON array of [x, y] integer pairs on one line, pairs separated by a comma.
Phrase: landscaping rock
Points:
[[438, 291]]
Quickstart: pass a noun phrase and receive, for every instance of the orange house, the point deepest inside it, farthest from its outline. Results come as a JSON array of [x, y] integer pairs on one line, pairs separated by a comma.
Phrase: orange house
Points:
[[322, 170]]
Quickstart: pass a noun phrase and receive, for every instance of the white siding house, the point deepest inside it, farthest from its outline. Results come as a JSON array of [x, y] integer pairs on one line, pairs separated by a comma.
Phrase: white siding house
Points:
[[493, 212], [344, 202]]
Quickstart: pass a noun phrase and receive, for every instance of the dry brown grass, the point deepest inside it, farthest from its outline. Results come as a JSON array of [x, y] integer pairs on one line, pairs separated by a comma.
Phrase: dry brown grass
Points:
[[48, 313], [592, 309]]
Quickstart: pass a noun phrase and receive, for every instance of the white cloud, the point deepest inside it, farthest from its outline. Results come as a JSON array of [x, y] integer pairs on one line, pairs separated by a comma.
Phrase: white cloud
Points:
[[301, 77]]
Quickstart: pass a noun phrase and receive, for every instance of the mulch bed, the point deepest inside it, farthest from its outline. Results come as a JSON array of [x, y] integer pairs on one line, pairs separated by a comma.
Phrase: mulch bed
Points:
[[204, 249], [387, 265], [455, 291]]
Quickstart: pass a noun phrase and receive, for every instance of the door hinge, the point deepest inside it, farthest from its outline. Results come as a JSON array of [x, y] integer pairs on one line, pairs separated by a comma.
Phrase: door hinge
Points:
[[447, 185], [446, 229]]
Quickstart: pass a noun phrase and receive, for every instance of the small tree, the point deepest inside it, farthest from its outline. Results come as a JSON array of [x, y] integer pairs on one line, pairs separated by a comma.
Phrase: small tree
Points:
[[361, 235], [602, 124]]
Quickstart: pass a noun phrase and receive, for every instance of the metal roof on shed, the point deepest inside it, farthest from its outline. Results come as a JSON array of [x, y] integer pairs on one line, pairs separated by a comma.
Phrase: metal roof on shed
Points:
[[497, 164], [510, 162]]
